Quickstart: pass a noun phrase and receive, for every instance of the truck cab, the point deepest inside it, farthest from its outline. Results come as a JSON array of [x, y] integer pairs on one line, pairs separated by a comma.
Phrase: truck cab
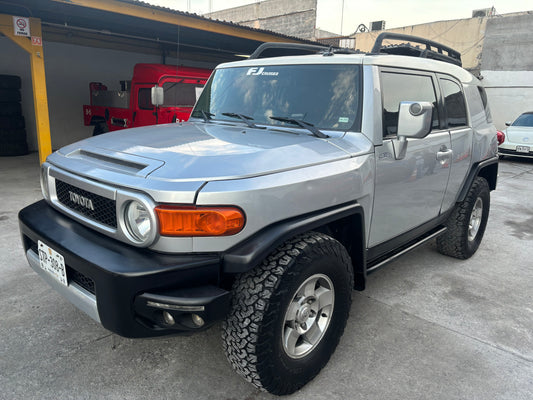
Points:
[[111, 110]]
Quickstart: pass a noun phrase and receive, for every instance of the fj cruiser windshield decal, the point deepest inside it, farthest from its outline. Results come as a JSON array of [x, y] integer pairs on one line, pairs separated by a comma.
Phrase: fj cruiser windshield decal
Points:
[[261, 71]]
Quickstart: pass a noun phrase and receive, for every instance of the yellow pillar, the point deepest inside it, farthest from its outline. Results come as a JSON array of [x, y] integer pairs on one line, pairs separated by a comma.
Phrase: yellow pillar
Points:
[[33, 45]]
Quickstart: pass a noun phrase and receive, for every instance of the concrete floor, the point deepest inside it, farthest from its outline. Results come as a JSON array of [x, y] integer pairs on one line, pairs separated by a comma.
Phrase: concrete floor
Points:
[[427, 327]]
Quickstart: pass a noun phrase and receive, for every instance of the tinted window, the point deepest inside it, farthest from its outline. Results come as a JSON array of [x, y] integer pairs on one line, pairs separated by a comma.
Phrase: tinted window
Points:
[[485, 101], [145, 99], [524, 120], [405, 87], [327, 96], [454, 101], [180, 94]]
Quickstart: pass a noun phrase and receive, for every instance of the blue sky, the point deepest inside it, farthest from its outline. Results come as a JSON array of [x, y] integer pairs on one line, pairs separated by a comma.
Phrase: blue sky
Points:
[[396, 13]]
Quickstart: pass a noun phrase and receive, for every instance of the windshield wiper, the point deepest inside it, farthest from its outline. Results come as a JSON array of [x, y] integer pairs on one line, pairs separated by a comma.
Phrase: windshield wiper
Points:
[[302, 124], [206, 115], [245, 118]]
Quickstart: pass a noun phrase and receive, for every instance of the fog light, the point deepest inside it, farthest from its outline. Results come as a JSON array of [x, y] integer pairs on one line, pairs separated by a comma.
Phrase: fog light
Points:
[[197, 320], [169, 319]]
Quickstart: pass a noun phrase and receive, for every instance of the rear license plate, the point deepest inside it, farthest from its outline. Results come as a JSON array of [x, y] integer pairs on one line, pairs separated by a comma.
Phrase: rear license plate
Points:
[[522, 149], [52, 262]]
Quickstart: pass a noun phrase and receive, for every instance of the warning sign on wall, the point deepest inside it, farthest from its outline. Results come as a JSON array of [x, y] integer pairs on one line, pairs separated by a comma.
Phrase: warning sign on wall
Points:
[[21, 26]]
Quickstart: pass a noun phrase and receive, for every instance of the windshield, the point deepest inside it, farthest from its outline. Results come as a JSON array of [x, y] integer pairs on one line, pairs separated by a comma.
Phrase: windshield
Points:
[[524, 120], [326, 96]]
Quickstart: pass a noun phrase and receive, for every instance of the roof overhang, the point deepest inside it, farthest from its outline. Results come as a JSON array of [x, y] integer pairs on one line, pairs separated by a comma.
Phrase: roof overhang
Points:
[[135, 26]]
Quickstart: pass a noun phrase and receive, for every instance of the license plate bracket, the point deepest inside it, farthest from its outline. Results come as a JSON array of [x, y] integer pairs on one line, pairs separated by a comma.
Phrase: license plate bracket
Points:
[[52, 262]]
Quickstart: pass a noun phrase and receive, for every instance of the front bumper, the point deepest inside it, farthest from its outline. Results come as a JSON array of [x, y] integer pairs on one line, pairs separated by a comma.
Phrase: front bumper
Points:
[[126, 289], [509, 149]]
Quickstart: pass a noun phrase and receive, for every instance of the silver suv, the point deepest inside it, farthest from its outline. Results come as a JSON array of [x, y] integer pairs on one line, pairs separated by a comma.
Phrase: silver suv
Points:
[[295, 178]]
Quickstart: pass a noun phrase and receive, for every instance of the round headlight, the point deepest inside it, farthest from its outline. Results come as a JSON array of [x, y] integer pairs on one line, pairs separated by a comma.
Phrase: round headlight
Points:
[[138, 221]]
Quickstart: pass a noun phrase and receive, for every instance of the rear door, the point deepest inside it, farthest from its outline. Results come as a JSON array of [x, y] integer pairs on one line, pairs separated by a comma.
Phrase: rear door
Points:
[[455, 115], [410, 191]]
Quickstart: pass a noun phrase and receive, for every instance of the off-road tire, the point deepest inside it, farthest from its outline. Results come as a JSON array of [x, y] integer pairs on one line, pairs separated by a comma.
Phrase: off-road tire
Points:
[[12, 149], [9, 95], [252, 332], [12, 122], [10, 109], [100, 128], [455, 242], [9, 82]]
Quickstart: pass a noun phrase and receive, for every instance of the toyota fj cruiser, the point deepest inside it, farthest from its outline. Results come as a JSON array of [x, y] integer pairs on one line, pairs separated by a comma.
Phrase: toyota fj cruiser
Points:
[[295, 177]]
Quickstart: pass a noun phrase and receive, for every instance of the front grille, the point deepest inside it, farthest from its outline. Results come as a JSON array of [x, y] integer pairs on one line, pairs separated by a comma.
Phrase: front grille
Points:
[[82, 280], [104, 210]]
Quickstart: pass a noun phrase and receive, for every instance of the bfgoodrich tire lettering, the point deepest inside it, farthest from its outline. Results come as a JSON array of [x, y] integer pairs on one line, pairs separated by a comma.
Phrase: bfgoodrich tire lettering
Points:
[[253, 331], [466, 225]]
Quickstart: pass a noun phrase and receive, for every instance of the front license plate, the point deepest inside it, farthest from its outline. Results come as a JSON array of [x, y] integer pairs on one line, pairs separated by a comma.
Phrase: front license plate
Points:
[[52, 262], [522, 149]]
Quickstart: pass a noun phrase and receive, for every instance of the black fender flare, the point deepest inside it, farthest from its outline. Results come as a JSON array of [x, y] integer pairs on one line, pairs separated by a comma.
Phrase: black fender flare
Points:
[[254, 250], [488, 169]]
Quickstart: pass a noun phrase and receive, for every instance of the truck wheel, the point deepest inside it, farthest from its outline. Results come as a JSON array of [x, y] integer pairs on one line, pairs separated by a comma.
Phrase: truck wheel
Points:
[[99, 128], [288, 314], [466, 225], [9, 95], [9, 82], [10, 109]]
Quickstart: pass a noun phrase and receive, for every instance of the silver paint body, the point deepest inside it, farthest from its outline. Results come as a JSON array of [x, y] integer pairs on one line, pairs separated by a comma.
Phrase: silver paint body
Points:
[[273, 174]]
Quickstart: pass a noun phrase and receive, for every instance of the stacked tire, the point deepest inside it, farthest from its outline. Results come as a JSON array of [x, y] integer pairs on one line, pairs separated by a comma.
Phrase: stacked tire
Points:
[[12, 125]]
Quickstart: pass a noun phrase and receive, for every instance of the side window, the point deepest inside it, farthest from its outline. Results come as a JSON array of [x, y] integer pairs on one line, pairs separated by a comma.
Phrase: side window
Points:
[[454, 101], [145, 99], [398, 87], [485, 101], [180, 94]]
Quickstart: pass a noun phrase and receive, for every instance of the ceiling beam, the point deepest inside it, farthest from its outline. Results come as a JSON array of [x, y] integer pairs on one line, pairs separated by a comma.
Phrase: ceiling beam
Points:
[[158, 16]]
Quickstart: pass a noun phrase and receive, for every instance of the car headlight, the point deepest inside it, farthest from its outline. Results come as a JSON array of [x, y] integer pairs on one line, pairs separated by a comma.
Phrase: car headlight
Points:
[[138, 221]]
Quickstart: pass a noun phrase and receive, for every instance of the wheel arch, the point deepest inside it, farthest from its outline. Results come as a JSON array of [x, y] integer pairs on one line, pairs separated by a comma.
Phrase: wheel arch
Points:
[[345, 223], [487, 169]]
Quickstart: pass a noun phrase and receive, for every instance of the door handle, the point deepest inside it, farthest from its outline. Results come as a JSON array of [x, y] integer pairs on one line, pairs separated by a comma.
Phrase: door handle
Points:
[[444, 154]]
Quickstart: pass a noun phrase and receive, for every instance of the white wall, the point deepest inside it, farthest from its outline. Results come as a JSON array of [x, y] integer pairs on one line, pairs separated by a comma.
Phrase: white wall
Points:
[[510, 93], [69, 69]]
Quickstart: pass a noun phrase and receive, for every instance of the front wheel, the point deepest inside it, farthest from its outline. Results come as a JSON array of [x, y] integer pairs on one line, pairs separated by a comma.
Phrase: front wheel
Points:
[[288, 314], [466, 225]]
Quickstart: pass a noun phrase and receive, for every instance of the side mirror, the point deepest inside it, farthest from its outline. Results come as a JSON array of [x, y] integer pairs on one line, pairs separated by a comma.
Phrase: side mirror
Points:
[[508, 123], [414, 121], [158, 95]]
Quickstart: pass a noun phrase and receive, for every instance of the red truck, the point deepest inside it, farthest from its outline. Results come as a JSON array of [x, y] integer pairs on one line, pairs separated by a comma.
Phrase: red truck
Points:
[[131, 106]]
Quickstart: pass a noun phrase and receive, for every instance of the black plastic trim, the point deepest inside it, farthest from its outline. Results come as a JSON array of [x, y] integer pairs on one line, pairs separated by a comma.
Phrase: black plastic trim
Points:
[[120, 272], [284, 49], [211, 303], [249, 254], [474, 172], [453, 56], [385, 250]]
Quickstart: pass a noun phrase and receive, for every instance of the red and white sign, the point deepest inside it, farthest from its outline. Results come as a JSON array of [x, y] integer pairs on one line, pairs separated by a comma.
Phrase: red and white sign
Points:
[[36, 41], [21, 26]]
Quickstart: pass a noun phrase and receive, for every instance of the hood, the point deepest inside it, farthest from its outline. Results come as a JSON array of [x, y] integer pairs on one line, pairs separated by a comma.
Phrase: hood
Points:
[[520, 134], [196, 151]]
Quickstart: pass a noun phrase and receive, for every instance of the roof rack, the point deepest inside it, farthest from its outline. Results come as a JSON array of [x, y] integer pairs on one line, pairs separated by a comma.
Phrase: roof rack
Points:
[[452, 56], [276, 49]]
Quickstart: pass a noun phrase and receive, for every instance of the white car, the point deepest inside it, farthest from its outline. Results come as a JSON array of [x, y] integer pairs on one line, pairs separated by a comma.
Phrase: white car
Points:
[[518, 137]]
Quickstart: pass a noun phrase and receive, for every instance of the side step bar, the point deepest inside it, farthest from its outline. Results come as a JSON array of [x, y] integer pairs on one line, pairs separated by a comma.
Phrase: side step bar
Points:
[[407, 249]]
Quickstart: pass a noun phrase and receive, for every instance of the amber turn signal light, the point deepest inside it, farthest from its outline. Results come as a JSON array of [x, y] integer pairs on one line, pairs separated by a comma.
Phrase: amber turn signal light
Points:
[[199, 221]]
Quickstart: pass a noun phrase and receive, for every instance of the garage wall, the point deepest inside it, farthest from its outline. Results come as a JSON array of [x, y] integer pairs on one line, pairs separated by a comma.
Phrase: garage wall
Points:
[[507, 66], [69, 69]]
